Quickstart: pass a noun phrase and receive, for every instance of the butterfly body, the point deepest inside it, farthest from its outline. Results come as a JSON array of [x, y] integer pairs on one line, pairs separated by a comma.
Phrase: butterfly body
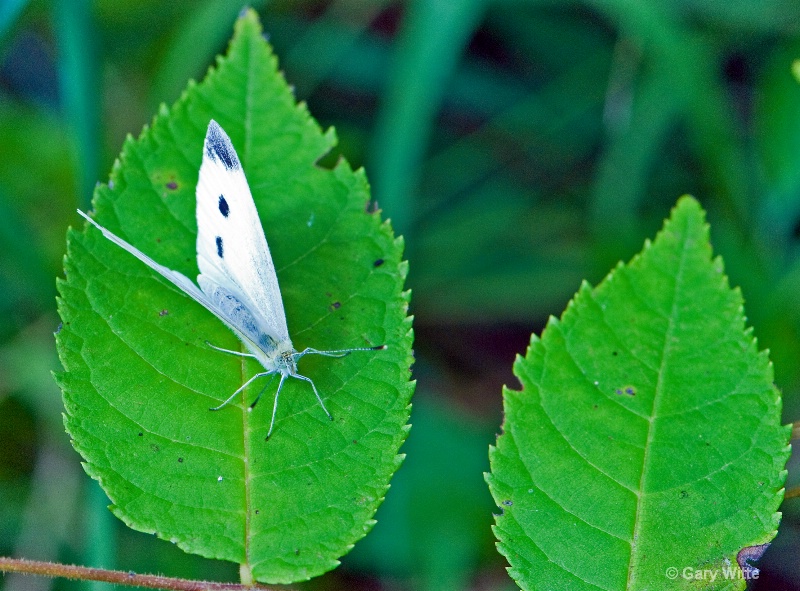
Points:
[[237, 280]]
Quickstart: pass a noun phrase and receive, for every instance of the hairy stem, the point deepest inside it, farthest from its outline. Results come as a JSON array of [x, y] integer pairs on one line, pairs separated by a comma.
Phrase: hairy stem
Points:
[[68, 571]]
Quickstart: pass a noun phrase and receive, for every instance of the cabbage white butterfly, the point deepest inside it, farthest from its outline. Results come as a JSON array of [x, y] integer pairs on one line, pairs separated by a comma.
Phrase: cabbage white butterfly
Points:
[[237, 280]]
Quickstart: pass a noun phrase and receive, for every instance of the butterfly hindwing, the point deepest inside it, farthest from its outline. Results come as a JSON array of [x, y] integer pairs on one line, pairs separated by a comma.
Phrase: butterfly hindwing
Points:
[[231, 248], [222, 304], [247, 322]]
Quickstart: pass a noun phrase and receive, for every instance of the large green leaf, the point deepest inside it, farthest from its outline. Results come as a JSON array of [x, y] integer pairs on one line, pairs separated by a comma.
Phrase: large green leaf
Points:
[[140, 377], [647, 434]]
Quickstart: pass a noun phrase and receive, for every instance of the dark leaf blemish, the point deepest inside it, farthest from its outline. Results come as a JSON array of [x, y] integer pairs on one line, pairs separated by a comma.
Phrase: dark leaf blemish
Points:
[[172, 185], [377, 263], [750, 553], [163, 313], [219, 246]]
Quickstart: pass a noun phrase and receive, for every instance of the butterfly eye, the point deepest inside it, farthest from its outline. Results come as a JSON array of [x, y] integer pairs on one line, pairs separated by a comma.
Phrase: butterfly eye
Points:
[[223, 206], [219, 246]]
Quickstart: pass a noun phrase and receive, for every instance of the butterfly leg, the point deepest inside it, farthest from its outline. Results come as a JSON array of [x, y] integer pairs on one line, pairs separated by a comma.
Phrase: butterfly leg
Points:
[[322, 404], [275, 406], [237, 353], [242, 387], [253, 405]]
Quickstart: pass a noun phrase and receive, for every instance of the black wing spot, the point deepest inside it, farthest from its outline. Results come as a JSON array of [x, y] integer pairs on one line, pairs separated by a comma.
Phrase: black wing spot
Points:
[[223, 206], [219, 246], [219, 147]]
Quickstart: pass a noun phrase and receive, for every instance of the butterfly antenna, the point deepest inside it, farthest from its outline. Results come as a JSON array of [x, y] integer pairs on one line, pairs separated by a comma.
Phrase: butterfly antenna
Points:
[[242, 387], [274, 407], [337, 352], [322, 404]]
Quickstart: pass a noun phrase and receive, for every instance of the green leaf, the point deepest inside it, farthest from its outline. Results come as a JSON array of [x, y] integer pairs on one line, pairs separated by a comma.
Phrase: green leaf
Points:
[[647, 432], [140, 377]]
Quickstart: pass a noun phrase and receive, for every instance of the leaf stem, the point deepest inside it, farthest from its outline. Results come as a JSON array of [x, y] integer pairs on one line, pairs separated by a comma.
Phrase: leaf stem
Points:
[[130, 578]]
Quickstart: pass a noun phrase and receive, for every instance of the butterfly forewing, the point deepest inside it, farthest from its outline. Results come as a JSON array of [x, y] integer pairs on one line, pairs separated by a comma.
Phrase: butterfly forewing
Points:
[[231, 248]]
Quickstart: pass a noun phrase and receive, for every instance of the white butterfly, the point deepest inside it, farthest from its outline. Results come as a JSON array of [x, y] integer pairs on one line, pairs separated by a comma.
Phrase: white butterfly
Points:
[[237, 278]]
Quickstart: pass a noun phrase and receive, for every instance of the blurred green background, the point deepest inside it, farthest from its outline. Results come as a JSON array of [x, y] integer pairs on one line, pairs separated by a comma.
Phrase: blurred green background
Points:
[[518, 145]]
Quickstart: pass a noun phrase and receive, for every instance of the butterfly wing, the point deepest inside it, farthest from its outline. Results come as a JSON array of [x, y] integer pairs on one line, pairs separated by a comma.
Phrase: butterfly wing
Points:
[[222, 303], [232, 252]]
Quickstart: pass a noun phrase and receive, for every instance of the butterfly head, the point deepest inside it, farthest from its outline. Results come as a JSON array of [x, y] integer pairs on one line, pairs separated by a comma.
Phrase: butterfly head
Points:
[[285, 361]]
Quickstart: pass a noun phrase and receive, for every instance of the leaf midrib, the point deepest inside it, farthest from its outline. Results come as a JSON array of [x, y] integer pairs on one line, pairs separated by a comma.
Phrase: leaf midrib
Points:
[[246, 428], [632, 572]]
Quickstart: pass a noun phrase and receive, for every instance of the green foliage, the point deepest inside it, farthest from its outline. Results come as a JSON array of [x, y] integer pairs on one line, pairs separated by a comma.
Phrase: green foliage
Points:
[[31, 215], [647, 433], [435, 525], [79, 85], [140, 377], [433, 28], [545, 142]]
